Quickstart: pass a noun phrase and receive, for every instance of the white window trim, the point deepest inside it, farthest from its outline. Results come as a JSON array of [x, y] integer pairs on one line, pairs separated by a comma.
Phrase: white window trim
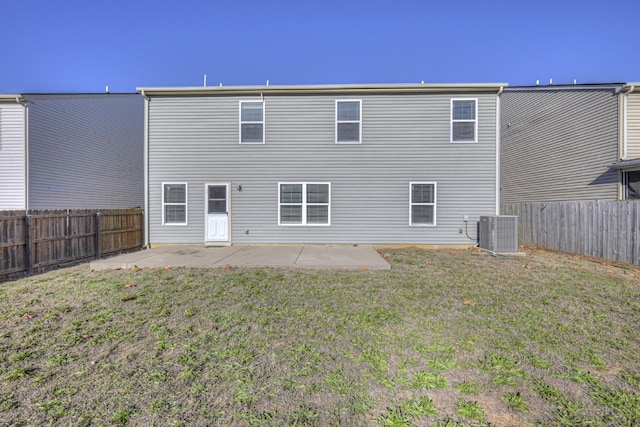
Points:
[[186, 204], [305, 204], [240, 122], [475, 122], [434, 204], [359, 141]]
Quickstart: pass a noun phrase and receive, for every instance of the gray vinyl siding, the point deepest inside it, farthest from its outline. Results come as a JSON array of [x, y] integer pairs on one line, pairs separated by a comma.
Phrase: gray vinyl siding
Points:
[[405, 138], [557, 145], [633, 126], [12, 157], [86, 151]]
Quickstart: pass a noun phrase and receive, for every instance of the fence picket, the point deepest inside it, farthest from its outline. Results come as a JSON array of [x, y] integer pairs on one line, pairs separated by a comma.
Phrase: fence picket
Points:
[[608, 230], [40, 239]]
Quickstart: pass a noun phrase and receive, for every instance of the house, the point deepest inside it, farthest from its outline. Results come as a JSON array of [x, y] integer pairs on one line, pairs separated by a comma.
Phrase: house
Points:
[[570, 143], [70, 151], [326, 164]]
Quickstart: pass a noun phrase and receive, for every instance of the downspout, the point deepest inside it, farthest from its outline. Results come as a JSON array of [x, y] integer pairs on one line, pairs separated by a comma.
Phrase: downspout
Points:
[[624, 142], [146, 169], [498, 129], [26, 152]]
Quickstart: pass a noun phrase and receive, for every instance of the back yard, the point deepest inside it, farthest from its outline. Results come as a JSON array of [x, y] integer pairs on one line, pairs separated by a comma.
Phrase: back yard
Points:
[[444, 338]]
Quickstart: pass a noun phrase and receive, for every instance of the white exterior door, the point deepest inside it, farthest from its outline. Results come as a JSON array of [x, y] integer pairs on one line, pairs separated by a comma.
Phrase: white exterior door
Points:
[[217, 205]]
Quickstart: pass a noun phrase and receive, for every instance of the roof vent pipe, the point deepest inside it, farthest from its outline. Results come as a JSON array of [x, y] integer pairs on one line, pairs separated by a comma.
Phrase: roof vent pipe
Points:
[[205, 80], [537, 82], [550, 82]]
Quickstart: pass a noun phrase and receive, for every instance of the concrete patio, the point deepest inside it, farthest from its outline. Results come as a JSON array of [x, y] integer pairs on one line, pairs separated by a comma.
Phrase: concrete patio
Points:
[[296, 256]]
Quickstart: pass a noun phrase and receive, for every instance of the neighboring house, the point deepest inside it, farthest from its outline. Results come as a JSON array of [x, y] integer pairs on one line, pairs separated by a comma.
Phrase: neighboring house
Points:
[[69, 151], [570, 143], [350, 164]]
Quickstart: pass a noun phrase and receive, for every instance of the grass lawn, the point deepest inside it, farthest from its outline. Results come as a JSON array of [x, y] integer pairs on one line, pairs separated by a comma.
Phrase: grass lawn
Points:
[[444, 338]]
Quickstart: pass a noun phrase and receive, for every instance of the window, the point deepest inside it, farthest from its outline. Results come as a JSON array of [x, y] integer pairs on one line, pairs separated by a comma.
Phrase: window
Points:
[[632, 185], [464, 122], [422, 203], [348, 122], [174, 203], [251, 122], [304, 203]]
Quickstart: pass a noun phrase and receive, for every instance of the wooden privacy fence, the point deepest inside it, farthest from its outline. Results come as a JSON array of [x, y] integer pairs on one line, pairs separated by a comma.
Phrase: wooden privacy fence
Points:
[[39, 239], [609, 230]]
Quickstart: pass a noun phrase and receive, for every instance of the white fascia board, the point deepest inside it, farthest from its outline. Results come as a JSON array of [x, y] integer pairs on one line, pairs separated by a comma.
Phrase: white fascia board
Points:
[[320, 89], [15, 98]]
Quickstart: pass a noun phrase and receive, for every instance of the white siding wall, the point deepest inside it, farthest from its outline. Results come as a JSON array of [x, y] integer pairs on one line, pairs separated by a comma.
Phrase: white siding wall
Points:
[[405, 138], [633, 126], [557, 145], [12, 157], [86, 151]]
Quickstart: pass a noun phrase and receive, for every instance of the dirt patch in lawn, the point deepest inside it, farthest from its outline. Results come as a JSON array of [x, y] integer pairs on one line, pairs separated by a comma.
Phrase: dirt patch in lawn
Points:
[[445, 336]]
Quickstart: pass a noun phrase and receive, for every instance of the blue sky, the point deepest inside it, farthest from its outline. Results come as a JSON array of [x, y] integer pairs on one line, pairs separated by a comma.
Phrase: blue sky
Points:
[[82, 46]]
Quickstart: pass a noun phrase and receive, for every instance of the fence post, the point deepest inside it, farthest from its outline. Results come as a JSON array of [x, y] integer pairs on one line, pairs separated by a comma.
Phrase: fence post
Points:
[[98, 231], [27, 244]]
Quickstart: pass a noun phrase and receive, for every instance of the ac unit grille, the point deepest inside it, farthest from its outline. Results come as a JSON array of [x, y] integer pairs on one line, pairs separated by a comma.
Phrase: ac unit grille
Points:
[[499, 233]]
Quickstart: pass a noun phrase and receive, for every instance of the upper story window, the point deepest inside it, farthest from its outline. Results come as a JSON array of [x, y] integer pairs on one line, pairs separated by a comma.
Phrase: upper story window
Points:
[[251, 122], [464, 120], [422, 203], [174, 203], [303, 203], [348, 121]]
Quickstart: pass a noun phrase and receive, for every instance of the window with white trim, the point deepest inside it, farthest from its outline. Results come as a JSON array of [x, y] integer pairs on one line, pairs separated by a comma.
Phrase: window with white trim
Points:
[[174, 203], [348, 121], [251, 122], [464, 120], [422, 203], [301, 203]]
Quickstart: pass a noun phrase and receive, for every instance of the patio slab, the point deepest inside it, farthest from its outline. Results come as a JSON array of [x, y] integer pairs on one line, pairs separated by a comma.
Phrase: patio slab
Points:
[[297, 256]]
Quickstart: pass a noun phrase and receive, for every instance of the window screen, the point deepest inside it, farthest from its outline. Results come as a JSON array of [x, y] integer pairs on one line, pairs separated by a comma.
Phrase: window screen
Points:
[[422, 203], [251, 122], [304, 203], [174, 203], [463, 120], [348, 122]]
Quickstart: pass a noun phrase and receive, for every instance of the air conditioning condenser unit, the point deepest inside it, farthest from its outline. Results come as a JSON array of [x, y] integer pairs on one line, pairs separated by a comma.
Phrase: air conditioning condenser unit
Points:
[[499, 233]]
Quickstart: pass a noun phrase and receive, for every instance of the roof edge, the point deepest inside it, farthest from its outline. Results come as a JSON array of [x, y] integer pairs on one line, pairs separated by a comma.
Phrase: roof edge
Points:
[[321, 89], [11, 97], [626, 164], [581, 86]]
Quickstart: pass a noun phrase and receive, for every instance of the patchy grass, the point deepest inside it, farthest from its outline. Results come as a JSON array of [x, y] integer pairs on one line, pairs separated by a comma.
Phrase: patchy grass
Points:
[[445, 338]]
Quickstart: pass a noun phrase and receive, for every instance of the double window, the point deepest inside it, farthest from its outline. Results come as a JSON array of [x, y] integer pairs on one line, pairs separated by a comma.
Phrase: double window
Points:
[[422, 203], [303, 203], [174, 203], [348, 121], [251, 122], [464, 120]]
